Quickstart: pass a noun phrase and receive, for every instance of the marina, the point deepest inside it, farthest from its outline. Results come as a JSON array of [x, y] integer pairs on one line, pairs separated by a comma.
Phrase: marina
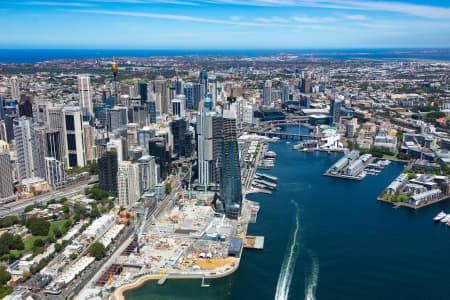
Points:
[[352, 166]]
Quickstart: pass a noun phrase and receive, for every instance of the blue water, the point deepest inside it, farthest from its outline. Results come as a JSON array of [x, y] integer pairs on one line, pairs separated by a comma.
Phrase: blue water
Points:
[[39, 55], [330, 239]]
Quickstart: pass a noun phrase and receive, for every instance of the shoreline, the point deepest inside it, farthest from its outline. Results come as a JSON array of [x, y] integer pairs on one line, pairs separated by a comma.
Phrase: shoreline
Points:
[[119, 293]]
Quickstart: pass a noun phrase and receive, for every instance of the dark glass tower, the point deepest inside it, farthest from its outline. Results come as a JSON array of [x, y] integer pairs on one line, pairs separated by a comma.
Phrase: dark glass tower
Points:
[[107, 172], [230, 179]]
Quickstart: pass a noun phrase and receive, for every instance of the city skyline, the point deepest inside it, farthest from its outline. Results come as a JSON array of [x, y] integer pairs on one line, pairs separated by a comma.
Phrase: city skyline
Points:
[[225, 24]]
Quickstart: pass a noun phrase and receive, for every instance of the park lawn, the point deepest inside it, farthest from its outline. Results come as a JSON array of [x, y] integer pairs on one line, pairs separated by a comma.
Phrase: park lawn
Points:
[[28, 243], [57, 224]]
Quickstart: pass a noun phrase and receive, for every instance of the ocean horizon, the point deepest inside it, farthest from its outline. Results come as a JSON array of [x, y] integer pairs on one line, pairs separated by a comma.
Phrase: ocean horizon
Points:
[[41, 55]]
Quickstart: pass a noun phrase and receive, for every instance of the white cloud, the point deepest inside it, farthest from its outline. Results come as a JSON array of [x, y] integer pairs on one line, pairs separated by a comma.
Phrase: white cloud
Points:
[[304, 19], [427, 11], [272, 19], [356, 17], [55, 3], [235, 18]]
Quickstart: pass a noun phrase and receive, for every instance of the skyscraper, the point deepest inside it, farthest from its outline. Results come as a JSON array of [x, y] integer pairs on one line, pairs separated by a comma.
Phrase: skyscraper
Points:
[[182, 143], [188, 91], [179, 106], [84, 90], [162, 87], [335, 111], [204, 83], [151, 108], [157, 148], [6, 178], [142, 89], [128, 184], [147, 173], [306, 86], [25, 148], [285, 90], [230, 181], [197, 95], [107, 171], [205, 147], [144, 135], [267, 92], [56, 122], [75, 137], [15, 88]]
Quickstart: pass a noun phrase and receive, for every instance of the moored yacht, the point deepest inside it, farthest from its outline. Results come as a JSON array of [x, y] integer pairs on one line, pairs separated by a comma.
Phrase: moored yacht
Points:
[[446, 219], [440, 216]]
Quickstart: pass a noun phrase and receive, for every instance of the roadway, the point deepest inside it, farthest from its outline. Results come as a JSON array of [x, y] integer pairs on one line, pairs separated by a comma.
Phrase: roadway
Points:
[[96, 270], [16, 208]]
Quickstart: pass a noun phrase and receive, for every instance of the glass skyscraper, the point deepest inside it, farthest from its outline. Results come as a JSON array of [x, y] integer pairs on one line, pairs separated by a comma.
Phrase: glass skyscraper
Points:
[[230, 179]]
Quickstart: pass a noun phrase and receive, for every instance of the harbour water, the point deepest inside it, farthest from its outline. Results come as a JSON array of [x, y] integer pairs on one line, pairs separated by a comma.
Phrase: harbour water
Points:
[[329, 238]]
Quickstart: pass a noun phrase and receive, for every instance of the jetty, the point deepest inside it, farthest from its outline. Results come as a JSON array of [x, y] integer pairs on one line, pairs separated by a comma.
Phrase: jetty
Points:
[[254, 242], [266, 176], [162, 280]]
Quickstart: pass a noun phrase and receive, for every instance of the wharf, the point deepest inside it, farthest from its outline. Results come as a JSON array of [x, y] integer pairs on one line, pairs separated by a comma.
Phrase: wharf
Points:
[[266, 176], [328, 173], [254, 242], [266, 183], [406, 204], [162, 280]]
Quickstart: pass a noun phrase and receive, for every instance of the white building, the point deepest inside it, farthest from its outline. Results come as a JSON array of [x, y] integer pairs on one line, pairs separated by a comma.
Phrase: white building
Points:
[[54, 171], [128, 184], [25, 148], [75, 154], [84, 90]]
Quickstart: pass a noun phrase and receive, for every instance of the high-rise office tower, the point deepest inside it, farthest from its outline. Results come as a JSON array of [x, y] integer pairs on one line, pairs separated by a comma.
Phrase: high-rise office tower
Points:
[[107, 171], [3, 132], [42, 114], [188, 92], [182, 138], [161, 86], [25, 148], [26, 107], [90, 148], [128, 184], [267, 92], [73, 125], [142, 89], [179, 106], [15, 88], [2, 108], [204, 83], [144, 135], [230, 181], [138, 114], [212, 89], [151, 107], [6, 178], [197, 95], [54, 171], [306, 85], [115, 145], [118, 118], [157, 148], [335, 111], [132, 129], [147, 173], [179, 86], [84, 90], [285, 91], [56, 122], [40, 136], [205, 147]]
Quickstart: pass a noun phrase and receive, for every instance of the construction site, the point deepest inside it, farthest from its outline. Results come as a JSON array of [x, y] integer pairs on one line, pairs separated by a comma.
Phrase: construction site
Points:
[[188, 240]]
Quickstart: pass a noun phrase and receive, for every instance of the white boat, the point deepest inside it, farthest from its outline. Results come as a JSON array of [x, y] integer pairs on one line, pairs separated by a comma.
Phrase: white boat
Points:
[[440, 216], [446, 219]]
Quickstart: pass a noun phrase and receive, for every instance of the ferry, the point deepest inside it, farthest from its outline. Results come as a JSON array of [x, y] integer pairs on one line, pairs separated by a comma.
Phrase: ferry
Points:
[[440, 216], [270, 154]]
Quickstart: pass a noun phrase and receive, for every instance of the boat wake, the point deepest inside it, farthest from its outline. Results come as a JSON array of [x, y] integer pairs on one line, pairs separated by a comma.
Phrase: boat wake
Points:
[[287, 268], [311, 283]]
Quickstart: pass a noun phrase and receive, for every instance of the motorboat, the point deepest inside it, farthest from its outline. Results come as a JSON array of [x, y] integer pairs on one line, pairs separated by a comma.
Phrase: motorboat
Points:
[[440, 216], [446, 219]]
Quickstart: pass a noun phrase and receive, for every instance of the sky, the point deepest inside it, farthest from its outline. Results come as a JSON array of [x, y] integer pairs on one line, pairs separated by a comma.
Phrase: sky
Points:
[[224, 24]]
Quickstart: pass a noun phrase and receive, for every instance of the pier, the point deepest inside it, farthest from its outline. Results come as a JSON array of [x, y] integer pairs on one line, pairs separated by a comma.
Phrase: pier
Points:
[[254, 242], [266, 176], [162, 280], [350, 177]]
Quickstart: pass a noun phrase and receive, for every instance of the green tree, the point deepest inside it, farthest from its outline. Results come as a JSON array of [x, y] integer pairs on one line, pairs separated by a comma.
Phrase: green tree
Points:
[[97, 250], [28, 208], [57, 233], [38, 226], [73, 256], [38, 243], [168, 188], [59, 247], [4, 276]]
